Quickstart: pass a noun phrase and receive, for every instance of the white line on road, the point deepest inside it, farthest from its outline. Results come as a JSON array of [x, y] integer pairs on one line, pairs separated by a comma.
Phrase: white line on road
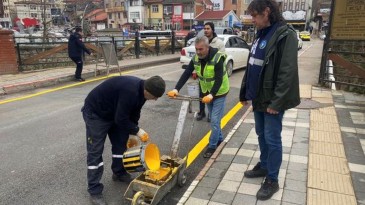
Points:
[[305, 50]]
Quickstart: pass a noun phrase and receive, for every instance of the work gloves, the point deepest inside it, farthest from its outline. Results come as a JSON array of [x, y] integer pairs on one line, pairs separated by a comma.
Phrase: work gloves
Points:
[[207, 99], [173, 93], [143, 135]]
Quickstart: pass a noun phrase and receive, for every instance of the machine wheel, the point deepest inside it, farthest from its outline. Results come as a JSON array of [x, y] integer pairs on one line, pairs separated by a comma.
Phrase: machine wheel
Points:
[[138, 198], [181, 177], [229, 68]]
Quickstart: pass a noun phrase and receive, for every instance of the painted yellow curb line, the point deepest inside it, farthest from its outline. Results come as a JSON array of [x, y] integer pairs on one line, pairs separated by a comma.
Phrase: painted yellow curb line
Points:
[[198, 148], [59, 88]]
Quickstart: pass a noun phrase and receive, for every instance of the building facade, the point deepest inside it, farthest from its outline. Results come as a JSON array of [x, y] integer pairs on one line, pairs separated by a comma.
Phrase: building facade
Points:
[[7, 13], [116, 13], [33, 9], [136, 14], [297, 12], [153, 14]]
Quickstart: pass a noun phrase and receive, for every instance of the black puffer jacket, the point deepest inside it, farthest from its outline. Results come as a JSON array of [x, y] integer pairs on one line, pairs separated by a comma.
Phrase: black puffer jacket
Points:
[[278, 86], [76, 47]]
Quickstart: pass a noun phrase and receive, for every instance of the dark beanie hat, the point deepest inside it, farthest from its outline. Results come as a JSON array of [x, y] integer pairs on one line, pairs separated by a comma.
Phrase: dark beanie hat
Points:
[[211, 25], [155, 85]]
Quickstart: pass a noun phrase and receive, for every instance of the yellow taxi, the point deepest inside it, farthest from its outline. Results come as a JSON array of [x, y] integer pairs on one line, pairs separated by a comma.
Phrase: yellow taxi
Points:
[[305, 35]]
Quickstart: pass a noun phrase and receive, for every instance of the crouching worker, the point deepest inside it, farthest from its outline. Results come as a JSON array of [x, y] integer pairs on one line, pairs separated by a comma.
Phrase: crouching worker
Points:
[[113, 108]]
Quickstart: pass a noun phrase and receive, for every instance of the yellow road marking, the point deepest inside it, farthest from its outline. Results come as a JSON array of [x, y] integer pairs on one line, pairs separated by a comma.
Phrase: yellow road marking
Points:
[[59, 88], [198, 148]]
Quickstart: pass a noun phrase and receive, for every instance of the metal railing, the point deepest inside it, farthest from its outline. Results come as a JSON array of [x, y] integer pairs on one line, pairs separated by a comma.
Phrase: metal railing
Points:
[[348, 70], [34, 54]]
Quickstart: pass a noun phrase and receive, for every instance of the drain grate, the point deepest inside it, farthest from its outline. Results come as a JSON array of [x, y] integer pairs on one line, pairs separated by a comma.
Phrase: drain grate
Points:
[[309, 104]]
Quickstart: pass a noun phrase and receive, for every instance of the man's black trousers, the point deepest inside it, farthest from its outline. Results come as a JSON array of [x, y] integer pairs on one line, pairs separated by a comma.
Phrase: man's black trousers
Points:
[[96, 131], [79, 64]]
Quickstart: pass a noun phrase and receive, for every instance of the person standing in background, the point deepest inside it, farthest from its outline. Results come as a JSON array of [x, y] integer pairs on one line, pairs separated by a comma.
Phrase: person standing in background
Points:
[[76, 50]]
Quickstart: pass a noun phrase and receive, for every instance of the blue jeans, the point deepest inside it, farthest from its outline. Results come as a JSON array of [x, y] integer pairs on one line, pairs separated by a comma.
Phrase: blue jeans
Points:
[[268, 128], [216, 109]]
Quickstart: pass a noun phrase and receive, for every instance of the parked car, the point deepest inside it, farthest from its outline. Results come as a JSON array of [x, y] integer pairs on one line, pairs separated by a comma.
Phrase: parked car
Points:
[[237, 51], [218, 30], [305, 35]]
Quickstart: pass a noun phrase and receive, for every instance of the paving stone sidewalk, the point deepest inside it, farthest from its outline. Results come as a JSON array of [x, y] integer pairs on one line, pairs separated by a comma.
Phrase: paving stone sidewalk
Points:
[[323, 157]]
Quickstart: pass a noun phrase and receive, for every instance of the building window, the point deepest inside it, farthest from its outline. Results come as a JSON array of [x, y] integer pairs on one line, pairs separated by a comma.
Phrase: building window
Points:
[[234, 1], [134, 3], [248, 1], [167, 9], [302, 6], [155, 8], [134, 15], [110, 16], [188, 8], [118, 15], [285, 6], [110, 26], [290, 6], [33, 7], [177, 10]]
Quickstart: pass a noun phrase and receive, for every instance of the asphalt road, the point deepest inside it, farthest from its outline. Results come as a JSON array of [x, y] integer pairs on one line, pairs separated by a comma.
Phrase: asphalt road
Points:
[[42, 142], [42, 138]]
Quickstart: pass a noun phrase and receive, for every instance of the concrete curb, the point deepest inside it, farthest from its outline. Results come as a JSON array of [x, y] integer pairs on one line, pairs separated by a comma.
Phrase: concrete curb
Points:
[[212, 159], [15, 88]]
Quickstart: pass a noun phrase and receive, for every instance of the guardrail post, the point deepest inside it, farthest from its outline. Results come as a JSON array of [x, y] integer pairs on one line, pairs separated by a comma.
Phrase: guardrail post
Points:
[[157, 45], [173, 43], [20, 66], [137, 49]]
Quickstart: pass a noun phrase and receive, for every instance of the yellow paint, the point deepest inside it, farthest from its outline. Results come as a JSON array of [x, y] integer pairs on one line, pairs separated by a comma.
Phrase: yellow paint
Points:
[[59, 88], [131, 159], [160, 174], [133, 165], [192, 155], [152, 157]]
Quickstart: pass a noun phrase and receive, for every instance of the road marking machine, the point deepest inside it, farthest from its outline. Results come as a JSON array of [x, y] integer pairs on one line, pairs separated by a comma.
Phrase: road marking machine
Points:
[[160, 174]]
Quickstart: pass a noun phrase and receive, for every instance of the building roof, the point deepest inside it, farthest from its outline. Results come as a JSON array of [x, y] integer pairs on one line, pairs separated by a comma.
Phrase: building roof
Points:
[[206, 2], [94, 12], [97, 15], [212, 15]]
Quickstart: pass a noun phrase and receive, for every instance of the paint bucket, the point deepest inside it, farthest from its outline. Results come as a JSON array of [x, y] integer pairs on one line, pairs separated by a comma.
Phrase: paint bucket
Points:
[[141, 158], [193, 89]]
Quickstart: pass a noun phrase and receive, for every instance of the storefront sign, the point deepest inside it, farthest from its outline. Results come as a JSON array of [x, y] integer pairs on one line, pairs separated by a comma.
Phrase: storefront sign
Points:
[[348, 22], [217, 5]]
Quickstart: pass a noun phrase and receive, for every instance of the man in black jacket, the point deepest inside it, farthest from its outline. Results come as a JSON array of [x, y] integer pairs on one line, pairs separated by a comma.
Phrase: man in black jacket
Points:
[[76, 49], [113, 108], [271, 82]]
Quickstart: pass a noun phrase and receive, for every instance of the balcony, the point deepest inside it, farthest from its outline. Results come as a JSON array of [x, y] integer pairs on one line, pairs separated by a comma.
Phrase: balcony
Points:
[[115, 9]]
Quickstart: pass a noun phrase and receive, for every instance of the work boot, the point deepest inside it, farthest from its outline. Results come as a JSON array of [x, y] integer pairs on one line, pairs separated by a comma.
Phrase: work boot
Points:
[[257, 171], [209, 152], [122, 178], [98, 199], [268, 188], [200, 115]]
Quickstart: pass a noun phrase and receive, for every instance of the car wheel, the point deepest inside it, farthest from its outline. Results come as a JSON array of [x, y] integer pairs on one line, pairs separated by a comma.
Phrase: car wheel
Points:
[[229, 68]]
